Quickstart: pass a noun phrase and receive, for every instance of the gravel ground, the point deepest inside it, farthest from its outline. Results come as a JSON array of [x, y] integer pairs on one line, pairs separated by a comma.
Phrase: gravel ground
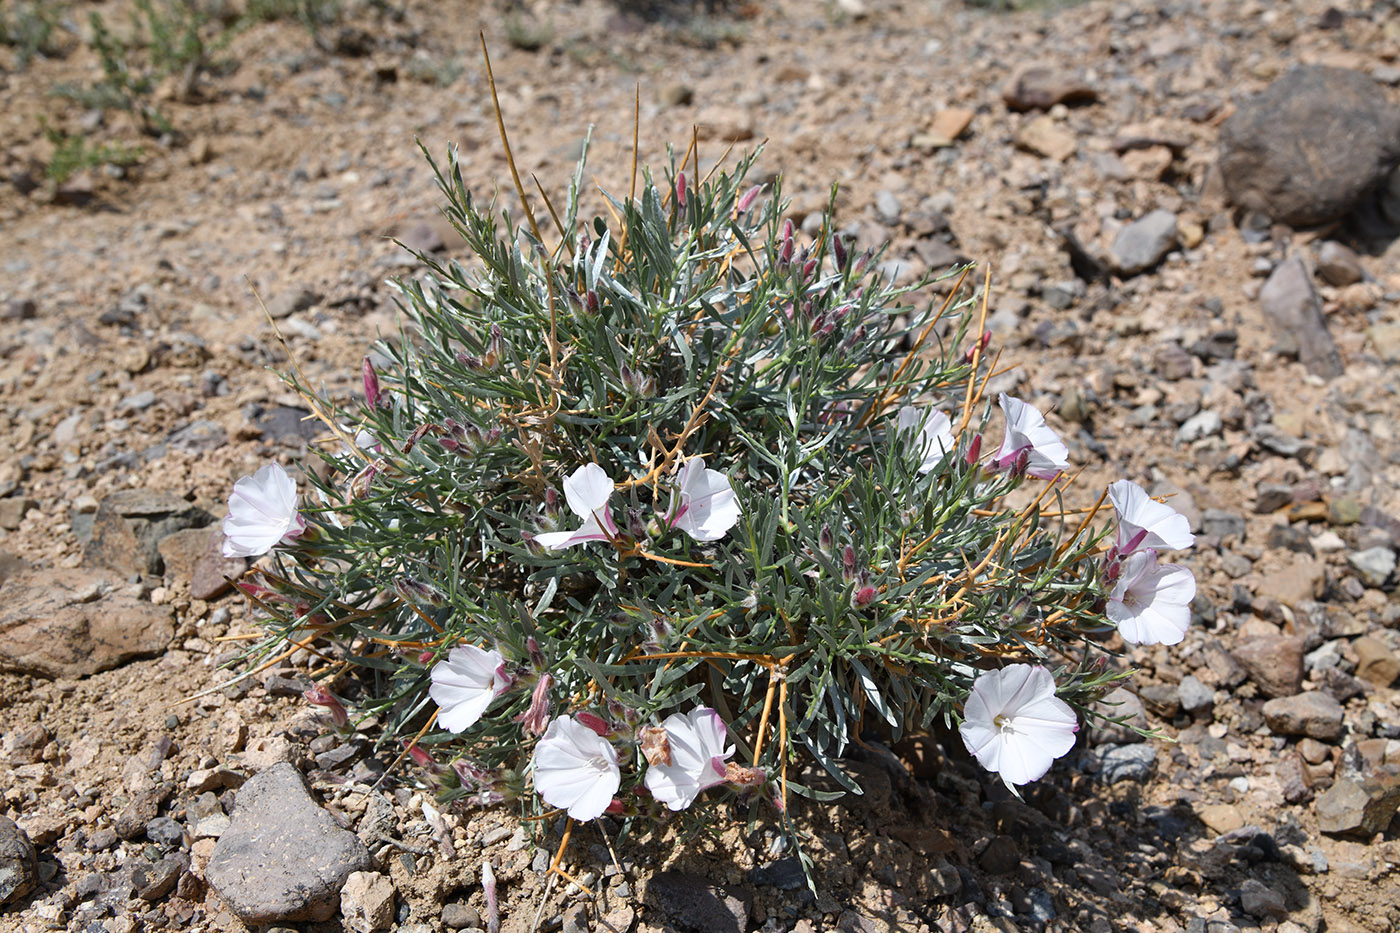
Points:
[[1179, 336]]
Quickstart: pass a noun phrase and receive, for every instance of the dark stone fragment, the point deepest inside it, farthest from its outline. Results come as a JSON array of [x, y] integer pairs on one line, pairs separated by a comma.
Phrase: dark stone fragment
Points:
[[692, 903]]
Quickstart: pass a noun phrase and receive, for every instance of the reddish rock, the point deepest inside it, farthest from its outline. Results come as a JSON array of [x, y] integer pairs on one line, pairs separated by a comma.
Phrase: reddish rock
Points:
[[71, 623], [1273, 662], [196, 555]]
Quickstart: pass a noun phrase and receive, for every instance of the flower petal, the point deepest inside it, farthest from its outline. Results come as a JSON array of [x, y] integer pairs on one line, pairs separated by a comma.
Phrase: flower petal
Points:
[[1165, 527], [464, 684], [576, 768], [587, 490]]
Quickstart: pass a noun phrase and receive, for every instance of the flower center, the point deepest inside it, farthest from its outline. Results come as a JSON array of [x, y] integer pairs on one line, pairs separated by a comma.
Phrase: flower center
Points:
[[1002, 722]]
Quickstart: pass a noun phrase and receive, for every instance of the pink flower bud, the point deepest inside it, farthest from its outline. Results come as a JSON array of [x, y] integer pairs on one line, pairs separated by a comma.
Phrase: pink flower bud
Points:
[[372, 393], [256, 592], [848, 563], [421, 757], [536, 718], [979, 347], [318, 695], [495, 348], [838, 250], [680, 190], [785, 250], [863, 597], [974, 451], [616, 808], [746, 201], [594, 722]]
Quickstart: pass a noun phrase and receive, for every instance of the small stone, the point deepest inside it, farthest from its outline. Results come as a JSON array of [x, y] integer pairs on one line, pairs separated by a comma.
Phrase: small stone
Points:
[[1119, 704], [887, 208], [1142, 244], [1259, 900], [1315, 714], [1202, 424], [1375, 564], [1270, 497], [1294, 777], [1294, 312], [1042, 136], [675, 95], [165, 831], [1040, 87], [154, 881], [1220, 818], [20, 309], [367, 902], [459, 916], [129, 526], [1338, 265], [1126, 762], [284, 858], [19, 863], [198, 437], [1385, 337], [1297, 582], [1273, 662], [421, 236], [951, 123], [1149, 163], [785, 874], [1361, 805], [144, 806], [1375, 662], [1001, 856], [575, 919], [1194, 696], [286, 303]]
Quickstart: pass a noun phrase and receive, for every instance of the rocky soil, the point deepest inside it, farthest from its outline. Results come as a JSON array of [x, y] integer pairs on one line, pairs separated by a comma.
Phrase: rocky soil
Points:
[[1109, 161]]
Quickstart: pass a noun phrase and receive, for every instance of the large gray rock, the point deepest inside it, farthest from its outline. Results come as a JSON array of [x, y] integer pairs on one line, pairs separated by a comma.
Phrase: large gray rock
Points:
[[1292, 308], [1311, 146], [71, 623], [19, 866], [284, 859]]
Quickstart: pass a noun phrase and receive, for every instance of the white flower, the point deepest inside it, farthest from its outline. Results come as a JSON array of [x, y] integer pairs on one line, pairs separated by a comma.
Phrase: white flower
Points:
[[935, 439], [698, 752], [1026, 430], [1151, 602], [1144, 522], [576, 768], [1014, 724], [706, 507], [465, 683], [587, 490], [262, 513]]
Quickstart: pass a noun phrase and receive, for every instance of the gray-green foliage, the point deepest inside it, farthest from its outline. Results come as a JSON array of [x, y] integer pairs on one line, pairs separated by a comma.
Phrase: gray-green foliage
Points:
[[854, 589], [32, 28]]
